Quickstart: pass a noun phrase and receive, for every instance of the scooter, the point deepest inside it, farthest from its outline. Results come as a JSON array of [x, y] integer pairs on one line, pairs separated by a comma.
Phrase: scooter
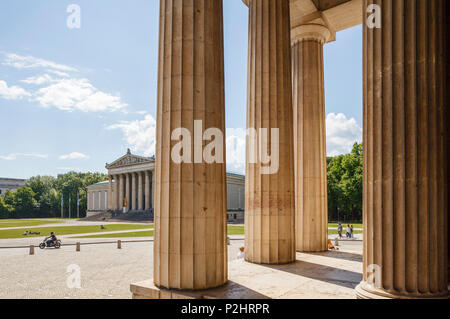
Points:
[[56, 244]]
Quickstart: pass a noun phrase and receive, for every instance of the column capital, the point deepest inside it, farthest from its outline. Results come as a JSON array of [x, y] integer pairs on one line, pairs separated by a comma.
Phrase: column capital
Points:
[[316, 32]]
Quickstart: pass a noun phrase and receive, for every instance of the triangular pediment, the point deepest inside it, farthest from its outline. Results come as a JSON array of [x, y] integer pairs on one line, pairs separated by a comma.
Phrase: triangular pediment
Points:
[[130, 159]]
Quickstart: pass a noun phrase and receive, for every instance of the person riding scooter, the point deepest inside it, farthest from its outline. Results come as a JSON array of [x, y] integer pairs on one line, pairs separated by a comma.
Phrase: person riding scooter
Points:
[[51, 239]]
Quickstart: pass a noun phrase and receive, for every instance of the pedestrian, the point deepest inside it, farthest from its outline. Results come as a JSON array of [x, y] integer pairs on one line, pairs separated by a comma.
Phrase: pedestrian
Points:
[[351, 231], [339, 229], [241, 253], [348, 234]]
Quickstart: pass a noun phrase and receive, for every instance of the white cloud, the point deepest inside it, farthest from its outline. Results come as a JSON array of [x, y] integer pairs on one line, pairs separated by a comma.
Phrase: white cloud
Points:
[[59, 73], [140, 135], [14, 156], [342, 133], [60, 90], [77, 94], [236, 148], [74, 156], [38, 80], [12, 92], [30, 62]]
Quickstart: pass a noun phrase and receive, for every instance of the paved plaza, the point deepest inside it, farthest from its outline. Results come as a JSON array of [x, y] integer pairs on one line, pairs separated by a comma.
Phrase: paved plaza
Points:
[[107, 272]]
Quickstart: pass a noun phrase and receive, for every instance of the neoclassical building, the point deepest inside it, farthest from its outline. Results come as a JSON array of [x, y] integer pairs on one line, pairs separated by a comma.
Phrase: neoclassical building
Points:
[[131, 187], [405, 141], [10, 184]]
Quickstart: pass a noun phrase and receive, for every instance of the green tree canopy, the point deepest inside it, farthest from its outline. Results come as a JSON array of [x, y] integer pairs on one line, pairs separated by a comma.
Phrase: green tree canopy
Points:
[[345, 180], [41, 195]]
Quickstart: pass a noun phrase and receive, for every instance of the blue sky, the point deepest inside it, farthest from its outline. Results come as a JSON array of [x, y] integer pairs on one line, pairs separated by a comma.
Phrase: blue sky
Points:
[[74, 99]]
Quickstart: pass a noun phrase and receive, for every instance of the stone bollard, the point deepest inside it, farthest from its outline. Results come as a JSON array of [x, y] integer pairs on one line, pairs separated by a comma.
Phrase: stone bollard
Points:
[[78, 247], [119, 244], [228, 241], [336, 242], [31, 249]]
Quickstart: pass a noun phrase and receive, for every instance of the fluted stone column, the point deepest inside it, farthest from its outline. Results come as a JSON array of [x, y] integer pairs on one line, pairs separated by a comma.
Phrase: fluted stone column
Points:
[[140, 191], [121, 190], [311, 218], [147, 190], [269, 200], [190, 249], [110, 192], [152, 190], [133, 191], [127, 191], [405, 153]]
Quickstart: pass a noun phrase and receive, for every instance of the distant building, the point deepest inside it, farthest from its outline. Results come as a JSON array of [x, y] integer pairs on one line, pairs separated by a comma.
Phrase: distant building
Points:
[[131, 185], [10, 184]]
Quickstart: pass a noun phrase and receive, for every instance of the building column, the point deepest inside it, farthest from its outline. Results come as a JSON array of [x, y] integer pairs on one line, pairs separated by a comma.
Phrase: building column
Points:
[[405, 153], [121, 191], [190, 250], [110, 194], [147, 190], [127, 191], [133, 192], [308, 93], [152, 190], [269, 201], [140, 191]]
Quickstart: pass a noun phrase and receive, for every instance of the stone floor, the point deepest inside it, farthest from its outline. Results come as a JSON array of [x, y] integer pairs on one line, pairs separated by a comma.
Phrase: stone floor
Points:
[[107, 272]]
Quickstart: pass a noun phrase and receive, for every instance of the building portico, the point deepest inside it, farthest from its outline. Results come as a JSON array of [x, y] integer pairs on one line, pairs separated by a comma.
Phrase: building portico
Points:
[[132, 174]]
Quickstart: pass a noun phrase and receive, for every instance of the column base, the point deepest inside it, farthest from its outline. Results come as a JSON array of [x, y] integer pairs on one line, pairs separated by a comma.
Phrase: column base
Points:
[[148, 290], [364, 291]]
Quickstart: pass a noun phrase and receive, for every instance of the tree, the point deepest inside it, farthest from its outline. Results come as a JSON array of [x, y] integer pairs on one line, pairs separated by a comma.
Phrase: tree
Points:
[[24, 202], [345, 179], [41, 196], [5, 209]]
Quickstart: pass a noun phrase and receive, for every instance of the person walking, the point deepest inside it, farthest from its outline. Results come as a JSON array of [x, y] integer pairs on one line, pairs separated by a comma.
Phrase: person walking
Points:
[[339, 229], [351, 231], [348, 234]]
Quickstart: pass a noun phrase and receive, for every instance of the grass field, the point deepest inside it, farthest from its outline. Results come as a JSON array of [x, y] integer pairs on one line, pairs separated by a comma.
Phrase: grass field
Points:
[[74, 230], [148, 233], [68, 230], [7, 223], [232, 230]]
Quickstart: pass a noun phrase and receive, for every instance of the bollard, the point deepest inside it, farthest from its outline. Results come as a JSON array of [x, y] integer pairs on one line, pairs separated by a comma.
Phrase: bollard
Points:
[[336, 242], [78, 247], [228, 241], [119, 244], [31, 249]]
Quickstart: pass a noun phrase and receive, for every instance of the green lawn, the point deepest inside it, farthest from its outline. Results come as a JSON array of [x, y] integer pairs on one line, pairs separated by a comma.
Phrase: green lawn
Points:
[[232, 230], [148, 233], [6, 223], [69, 230], [235, 230]]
